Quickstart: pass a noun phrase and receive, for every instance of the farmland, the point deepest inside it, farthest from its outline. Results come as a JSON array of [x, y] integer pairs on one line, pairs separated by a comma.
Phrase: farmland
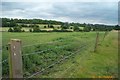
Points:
[[41, 26], [59, 40], [65, 55]]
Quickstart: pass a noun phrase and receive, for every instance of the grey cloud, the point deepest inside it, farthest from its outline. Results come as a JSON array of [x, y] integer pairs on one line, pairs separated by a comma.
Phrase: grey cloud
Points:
[[79, 12], [94, 11]]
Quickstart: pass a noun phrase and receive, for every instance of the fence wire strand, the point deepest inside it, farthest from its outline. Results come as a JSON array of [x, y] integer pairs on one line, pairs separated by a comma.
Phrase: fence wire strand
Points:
[[38, 52], [56, 62], [42, 43]]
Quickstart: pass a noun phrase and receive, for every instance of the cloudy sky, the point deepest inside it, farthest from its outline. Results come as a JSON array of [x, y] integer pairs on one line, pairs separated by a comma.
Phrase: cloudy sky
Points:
[[82, 12]]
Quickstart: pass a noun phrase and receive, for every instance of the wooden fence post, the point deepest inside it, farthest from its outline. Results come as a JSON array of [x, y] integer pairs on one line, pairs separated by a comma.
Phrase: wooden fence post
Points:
[[105, 35], [96, 43], [15, 59]]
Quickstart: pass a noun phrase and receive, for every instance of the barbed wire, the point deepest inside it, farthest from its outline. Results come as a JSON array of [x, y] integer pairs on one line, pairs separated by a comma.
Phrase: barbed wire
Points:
[[42, 43], [5, 46], [65, 70], [56, 62], [70, 65], [42, 52], [38, 52]]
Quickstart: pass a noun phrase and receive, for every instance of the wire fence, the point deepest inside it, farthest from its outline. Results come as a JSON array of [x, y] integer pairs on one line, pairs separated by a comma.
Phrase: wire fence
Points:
[[42, 43], [6, 47], [42, 51], [70, 53], [38, 52], [40, 72], [51, 42]]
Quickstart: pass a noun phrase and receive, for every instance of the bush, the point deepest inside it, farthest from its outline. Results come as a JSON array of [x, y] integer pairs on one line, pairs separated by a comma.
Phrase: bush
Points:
[[23, 30], [87, 29], [51, 26], [80, 30], [45, 26], [36, 29], [10, 30], [76, 28], [30, 30], [117, 27], [55, 30], [17, 29], [65, 26]]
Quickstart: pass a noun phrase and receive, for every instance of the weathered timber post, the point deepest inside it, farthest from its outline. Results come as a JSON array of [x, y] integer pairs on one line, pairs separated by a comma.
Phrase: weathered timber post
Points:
[[96, 43], [105, 35], [15, 59]]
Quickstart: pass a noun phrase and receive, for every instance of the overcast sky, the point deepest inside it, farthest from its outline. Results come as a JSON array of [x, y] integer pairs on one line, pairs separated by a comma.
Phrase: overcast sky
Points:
[[82, 12]]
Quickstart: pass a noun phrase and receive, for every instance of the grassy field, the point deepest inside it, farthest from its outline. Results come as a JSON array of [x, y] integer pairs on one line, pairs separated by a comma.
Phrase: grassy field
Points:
[[103, 63], [5, 29], [81, 61], [27, 28], [41, 26]]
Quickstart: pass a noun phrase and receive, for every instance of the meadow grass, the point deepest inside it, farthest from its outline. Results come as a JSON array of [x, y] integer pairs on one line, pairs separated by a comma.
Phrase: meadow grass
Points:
[[89, 64], [84, 63]]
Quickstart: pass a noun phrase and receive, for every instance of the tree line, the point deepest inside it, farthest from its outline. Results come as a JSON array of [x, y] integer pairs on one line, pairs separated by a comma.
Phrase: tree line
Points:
[[16, 25]]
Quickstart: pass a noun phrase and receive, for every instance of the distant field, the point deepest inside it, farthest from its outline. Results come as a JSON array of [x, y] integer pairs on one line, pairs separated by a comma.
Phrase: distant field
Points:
[[83, 63], [41, 27], [6, 29]]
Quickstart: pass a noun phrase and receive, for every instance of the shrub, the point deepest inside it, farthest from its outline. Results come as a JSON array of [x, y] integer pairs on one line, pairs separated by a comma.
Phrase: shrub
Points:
[[55, 30], [36, 29], [76, 28], [30, 30], [17, 29], [65, 26], [45, 26], [87, 29], [23, 30], [51, 26], [10, 30]]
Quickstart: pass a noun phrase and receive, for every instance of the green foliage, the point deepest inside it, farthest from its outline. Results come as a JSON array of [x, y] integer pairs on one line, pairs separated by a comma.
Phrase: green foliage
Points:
[[36, 28], [31, 26], [87, 29], [23, 30], [71, 28], [23, 25], [45, 26], [65, 26], [17, 29], [6, 22], [63, 30], [98, 27], [76, 28], [51, 26], [10, 30], [30, 30], [63, 45], [117, 27]]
